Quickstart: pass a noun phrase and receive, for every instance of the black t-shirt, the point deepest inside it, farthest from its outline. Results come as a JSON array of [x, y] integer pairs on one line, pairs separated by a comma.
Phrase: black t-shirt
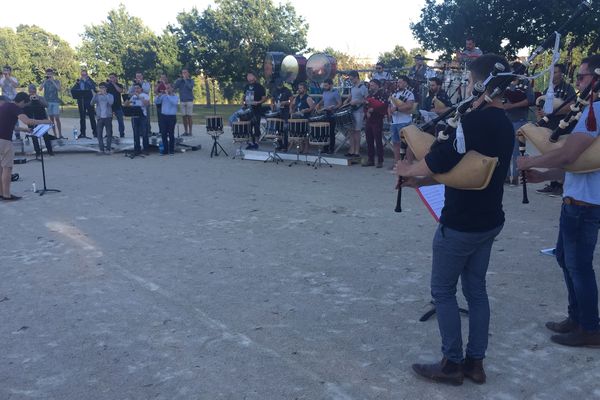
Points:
[[35, 110], [561, 91], [441, 96], [490, 133], [281, 95], [117, 104], [256, 91]]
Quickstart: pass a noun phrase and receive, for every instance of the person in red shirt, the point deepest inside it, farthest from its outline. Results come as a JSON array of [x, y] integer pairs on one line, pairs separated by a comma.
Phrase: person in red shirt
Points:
[[10, 113], [375, 111]]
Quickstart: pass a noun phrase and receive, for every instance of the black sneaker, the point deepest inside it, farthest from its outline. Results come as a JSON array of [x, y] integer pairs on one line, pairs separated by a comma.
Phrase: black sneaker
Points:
[[546, 189], [557, 191]]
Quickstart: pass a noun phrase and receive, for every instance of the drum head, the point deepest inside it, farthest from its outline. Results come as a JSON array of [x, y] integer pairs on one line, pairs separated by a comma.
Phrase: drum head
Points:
[[272, 64], [293, 69], [321, 66]]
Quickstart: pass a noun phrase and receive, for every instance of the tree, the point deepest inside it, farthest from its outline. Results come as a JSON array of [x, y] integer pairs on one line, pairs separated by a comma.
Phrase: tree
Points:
[[122, 44], [500, 26], [47, 50], [345, 61], [14, 54], [396, 59], [226, 41]]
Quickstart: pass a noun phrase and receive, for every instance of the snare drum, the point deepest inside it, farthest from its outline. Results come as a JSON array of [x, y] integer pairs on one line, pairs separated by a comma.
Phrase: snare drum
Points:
[[343, 118], [214, 123], [240, 130], [297, 128], [274, 127], [272, 114], [318, 133], [318, 118], [245, 115]]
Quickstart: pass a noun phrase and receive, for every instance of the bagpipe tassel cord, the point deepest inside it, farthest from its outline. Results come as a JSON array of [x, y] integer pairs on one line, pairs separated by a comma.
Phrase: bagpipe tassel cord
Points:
[[549, 104], [590, 122], [461, 147]]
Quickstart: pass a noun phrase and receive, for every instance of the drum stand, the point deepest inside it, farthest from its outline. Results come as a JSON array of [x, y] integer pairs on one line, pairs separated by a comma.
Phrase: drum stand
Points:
[[297, 161], [273, 156], [432, 311], [216, 145], [320, 160]]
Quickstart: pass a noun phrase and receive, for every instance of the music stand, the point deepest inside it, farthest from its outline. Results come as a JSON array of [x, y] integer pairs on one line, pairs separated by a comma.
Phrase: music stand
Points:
[[432, 311], [79, 94], [38, 132]]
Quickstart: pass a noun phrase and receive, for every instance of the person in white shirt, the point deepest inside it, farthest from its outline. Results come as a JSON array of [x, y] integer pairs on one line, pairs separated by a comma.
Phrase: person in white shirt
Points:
[[402, 103], [140, 123]]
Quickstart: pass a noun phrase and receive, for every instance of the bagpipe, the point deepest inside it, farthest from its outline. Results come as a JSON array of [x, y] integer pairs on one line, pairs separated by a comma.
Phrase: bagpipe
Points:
[[475, 170], [546, 140]]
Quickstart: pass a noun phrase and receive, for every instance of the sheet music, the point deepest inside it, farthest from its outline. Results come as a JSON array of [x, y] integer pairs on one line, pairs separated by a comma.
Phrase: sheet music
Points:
[[433, 198], [41, 130], [428, 115]]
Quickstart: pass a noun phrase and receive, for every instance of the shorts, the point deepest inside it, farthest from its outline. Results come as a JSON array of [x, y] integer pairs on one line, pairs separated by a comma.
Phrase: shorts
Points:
[[187, 107], [396, 131], [7, 155], [358, 120], [53, 109]]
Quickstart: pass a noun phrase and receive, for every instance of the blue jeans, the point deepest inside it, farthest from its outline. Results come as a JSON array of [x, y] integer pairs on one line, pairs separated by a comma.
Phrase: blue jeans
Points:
[[577, 239], [140, 130], [119, 116], [167, 130], [396, 131], [513, 169], [465, 255]]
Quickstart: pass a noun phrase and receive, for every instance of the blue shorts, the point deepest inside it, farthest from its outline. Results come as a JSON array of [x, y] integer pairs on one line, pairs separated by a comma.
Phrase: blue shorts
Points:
[[53, 108], [396, 131]]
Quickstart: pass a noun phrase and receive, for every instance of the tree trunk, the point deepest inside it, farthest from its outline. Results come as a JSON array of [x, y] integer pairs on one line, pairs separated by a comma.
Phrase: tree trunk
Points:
[[207, 88]]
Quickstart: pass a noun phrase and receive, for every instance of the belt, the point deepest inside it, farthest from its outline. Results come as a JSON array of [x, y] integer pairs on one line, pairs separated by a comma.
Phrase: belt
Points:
[[573, 202]]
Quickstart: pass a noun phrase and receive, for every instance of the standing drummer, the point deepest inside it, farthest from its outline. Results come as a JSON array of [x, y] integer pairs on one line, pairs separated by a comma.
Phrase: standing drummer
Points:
[[254, 96], [280, 101], [356, 100], [330, 102]]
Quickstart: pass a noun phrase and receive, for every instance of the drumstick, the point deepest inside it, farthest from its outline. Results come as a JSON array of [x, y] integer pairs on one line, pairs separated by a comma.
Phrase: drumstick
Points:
[[523, 173]]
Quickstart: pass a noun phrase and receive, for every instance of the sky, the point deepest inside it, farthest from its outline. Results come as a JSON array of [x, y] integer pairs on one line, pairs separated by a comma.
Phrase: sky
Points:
[[362, 31]]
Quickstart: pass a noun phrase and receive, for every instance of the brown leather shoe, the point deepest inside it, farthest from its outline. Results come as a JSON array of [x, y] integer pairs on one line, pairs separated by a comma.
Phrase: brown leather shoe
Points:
[[578, 338], [565, 326], [445, 371], [473, 369]]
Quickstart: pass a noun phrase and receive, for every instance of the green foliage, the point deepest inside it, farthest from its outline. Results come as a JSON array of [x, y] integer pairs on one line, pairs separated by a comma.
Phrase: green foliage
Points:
[[123, 44], [345, 61], [395, 59], [500, 26], [31, 50], [226, 41]]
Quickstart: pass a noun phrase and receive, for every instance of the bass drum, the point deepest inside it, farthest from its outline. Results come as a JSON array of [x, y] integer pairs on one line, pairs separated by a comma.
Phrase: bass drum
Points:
[[321, 66], [272, 65], [293, 69]]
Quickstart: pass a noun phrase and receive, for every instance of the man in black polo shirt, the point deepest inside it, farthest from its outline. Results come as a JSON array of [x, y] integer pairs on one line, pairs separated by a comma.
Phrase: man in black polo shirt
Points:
[[116, 89], [254, 96], [470, 221]]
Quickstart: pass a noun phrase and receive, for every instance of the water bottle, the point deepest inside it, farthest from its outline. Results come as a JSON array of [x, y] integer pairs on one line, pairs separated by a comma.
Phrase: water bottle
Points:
[[74, 133], [34, 188], [161, 147]]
